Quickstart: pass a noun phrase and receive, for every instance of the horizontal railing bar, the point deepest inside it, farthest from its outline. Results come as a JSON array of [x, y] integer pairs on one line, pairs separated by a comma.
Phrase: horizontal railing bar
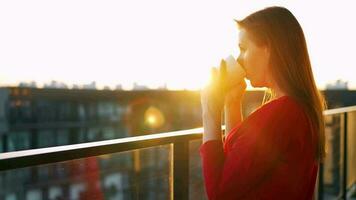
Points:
[[27, 158], [62, 124], [340, 110]]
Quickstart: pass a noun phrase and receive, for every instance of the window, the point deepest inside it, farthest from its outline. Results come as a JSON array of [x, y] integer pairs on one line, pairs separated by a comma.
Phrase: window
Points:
[[46, 138], [19, 140], [62, 137]]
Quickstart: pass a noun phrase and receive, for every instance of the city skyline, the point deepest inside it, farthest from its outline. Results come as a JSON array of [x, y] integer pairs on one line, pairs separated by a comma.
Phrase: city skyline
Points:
[[54, 84], [153, 43]]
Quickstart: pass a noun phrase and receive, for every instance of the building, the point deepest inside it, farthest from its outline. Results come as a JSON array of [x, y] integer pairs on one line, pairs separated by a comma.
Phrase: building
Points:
[[36, 118]]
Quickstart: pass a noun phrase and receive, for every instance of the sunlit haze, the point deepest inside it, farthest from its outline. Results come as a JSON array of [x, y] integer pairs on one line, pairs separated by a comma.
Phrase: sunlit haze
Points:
[[155, 42]]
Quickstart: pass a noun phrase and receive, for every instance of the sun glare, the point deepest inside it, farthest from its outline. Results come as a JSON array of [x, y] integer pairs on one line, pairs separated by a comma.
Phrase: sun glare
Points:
[[113, 49], [151, 119], [154, 118]]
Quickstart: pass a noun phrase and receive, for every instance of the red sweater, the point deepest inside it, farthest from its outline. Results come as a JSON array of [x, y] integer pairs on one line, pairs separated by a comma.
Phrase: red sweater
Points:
[[270, 155]]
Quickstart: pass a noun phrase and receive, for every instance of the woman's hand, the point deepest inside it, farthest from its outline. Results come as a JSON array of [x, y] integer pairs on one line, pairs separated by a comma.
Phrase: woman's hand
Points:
[[233, 106], [213, 95], [213, 98], [212, 101], [235, 93]]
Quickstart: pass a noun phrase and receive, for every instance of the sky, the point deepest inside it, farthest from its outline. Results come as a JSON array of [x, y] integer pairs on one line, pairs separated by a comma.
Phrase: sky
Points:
[[157, 41]]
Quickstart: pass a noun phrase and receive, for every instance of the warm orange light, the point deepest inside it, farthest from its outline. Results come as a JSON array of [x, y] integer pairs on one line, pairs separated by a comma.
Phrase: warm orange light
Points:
[[154, 117], [151, 120], [25, 92], [18, 103]]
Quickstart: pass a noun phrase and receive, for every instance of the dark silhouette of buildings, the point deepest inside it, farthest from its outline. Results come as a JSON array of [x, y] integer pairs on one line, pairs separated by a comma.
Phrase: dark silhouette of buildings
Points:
[[35, 118]]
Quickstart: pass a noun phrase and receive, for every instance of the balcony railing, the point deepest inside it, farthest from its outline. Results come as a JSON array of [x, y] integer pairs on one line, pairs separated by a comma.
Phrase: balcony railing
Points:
[[179, 145], [347, 117]]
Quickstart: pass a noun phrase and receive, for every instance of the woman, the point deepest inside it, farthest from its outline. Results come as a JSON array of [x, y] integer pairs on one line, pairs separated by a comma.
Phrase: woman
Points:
[[274, 152]]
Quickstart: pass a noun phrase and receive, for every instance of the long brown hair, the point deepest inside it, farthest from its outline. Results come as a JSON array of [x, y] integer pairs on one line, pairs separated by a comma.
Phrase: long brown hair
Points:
[[289, 63]]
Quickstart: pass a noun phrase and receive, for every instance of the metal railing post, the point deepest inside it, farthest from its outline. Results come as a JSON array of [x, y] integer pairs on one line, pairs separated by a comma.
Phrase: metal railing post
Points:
[[181, 170], [344, 175], [321, 182]]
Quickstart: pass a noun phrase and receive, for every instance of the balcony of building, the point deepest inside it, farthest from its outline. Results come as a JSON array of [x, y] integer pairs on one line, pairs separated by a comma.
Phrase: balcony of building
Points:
[[157, 166]]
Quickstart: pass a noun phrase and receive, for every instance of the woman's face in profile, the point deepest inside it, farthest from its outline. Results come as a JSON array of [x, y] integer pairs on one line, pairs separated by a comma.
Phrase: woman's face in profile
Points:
[[254, 59]]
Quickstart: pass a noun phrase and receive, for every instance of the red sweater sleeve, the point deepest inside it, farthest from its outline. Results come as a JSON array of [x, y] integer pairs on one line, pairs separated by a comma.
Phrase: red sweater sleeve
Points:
[[237, 172]]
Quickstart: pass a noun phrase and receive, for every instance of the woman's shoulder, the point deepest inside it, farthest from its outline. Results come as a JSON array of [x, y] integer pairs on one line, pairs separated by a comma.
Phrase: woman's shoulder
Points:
[[284, 103], [276, 117], [283, 112], [284, 108]]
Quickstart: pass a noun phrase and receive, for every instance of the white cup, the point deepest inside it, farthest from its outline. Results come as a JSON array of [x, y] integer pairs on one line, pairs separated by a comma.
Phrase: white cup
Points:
[[235, 73]]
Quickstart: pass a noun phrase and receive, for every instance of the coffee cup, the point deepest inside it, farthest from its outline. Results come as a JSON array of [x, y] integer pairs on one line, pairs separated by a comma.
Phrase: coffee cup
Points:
[[235, 72]]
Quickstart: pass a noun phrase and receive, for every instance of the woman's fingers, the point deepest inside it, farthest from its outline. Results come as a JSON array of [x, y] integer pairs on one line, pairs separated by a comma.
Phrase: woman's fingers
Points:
[[214, 75], [236, 92], [223, 70], [223, 76]]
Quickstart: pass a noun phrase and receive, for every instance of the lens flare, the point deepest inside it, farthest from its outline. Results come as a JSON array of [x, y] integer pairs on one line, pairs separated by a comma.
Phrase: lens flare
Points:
[[154, 118]]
